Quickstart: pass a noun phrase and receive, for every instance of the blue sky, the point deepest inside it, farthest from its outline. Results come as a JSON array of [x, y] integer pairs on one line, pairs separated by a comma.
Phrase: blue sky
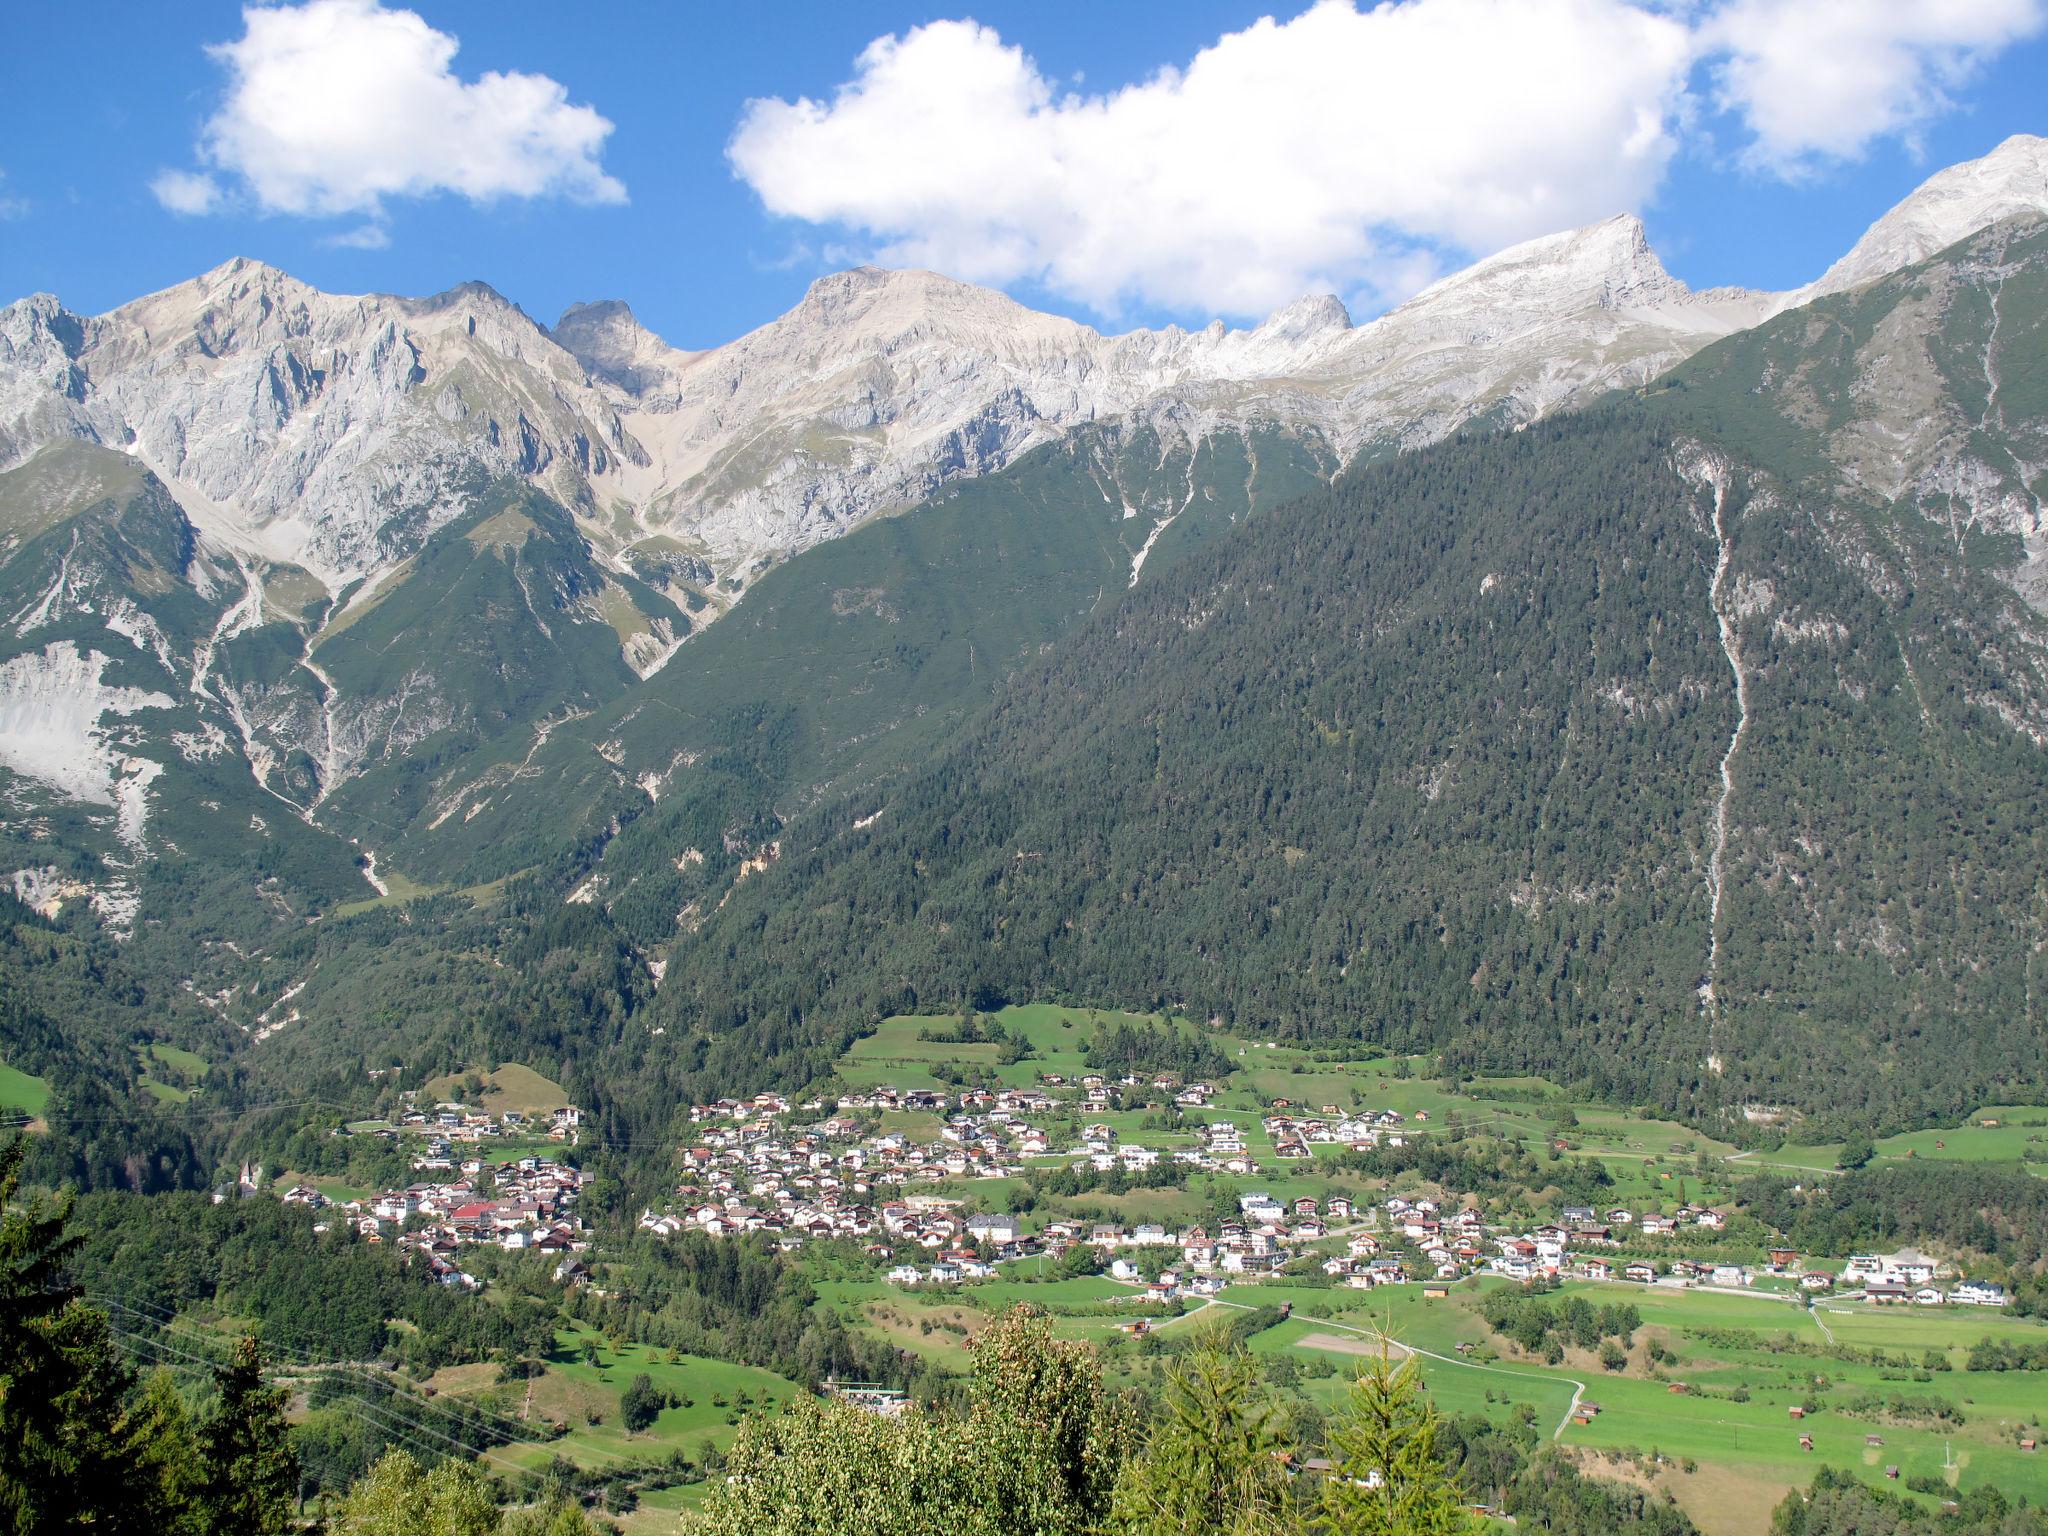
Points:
[[1339, 150]]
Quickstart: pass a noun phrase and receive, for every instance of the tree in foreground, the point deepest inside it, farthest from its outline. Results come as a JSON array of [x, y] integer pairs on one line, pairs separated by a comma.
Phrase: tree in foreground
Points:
[[1212, 1466], [63, 1446], [1387, 1475], [252, 1472], [399, 1497], [1037, 1450]]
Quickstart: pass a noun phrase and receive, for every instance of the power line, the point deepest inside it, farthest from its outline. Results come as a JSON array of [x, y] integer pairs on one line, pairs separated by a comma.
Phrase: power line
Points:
[[308, 1361], [477, 1417]]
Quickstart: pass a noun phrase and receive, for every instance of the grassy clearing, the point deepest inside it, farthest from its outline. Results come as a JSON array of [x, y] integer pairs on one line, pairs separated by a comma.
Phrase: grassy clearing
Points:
[[171, 1074], [513, 1086], [584, 1394], [333, 1189], [399, 888], [22, 1094]]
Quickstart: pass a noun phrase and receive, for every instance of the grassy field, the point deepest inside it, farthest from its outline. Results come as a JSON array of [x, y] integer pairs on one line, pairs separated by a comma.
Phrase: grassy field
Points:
[[711, 1397], [171, 1074], [513, 1086], [22, 1094], [1725, 1444]]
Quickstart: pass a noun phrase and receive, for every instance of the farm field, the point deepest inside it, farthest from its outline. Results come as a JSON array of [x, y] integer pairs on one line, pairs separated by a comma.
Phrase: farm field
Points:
[[1725, 1444]]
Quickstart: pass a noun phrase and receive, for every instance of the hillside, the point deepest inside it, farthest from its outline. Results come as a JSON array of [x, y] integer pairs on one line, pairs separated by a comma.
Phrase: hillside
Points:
[[1454, 756]]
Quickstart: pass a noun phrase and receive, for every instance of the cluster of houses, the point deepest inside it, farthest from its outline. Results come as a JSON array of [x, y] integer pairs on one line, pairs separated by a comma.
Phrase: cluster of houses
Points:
[[750, 1170], [1296, 1132], [452, 1123], [1897, 1279], [525, 1206]]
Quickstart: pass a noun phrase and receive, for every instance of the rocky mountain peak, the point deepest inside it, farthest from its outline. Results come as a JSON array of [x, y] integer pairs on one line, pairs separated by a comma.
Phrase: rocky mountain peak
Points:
[[610, 342], [1309, 318], [2010, 181]]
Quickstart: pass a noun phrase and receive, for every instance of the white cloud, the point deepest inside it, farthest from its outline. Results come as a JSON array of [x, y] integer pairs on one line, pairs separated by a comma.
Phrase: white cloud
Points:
[[335, 105], [1347, 149], [11, 207], [364, 237], [1819, 79], [186, 192], [1315, 152]]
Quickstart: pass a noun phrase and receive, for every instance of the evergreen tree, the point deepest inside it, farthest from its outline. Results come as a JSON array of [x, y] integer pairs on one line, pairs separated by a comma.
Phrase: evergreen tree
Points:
[[1387, 1475], [1212, 1467], [164, 1459], [252, 1472], [63, 1446]]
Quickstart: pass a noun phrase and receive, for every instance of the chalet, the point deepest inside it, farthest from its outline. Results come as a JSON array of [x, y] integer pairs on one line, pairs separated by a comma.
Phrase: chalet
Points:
[[1883, 1293], [1640, 1272]]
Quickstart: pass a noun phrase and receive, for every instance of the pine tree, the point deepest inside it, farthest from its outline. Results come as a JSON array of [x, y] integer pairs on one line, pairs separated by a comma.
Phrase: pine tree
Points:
[[1387, 1476], [1212, 1467], [63, 1463], [252, 1472], [164, 1459]]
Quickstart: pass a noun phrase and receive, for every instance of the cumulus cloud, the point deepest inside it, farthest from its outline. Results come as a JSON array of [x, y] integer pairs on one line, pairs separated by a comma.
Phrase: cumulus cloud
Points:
[[1348, 149], [1823, 79], [1315, 152], [334, 106], [186, 192]]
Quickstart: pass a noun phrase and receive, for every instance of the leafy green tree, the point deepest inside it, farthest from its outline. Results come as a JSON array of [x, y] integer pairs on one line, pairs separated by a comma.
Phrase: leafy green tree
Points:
[[398, 1497], [252, 1472], [1212, 1466], [1856, 1152], [1045, 1438], [640, 1404], [830, 1469], [1036, 1450], [1387, 1475]]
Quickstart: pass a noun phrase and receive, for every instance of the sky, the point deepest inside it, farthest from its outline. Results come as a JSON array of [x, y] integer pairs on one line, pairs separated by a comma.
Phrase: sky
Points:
[[1126, 164]]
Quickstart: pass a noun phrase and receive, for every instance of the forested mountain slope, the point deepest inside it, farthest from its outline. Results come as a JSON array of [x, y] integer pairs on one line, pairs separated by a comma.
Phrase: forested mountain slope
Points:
[[1455, 756]]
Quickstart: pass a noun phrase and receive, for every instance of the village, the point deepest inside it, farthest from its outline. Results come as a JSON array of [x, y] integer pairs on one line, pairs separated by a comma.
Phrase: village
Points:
[[463, 1198], [761, 1166]]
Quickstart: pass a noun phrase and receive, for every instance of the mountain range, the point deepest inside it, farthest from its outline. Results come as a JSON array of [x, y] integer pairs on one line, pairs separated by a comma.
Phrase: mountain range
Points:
[[314, 608]]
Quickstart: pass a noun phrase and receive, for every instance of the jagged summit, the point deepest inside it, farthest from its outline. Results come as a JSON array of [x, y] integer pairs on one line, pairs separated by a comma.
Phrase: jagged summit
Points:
[[1608, 265]]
